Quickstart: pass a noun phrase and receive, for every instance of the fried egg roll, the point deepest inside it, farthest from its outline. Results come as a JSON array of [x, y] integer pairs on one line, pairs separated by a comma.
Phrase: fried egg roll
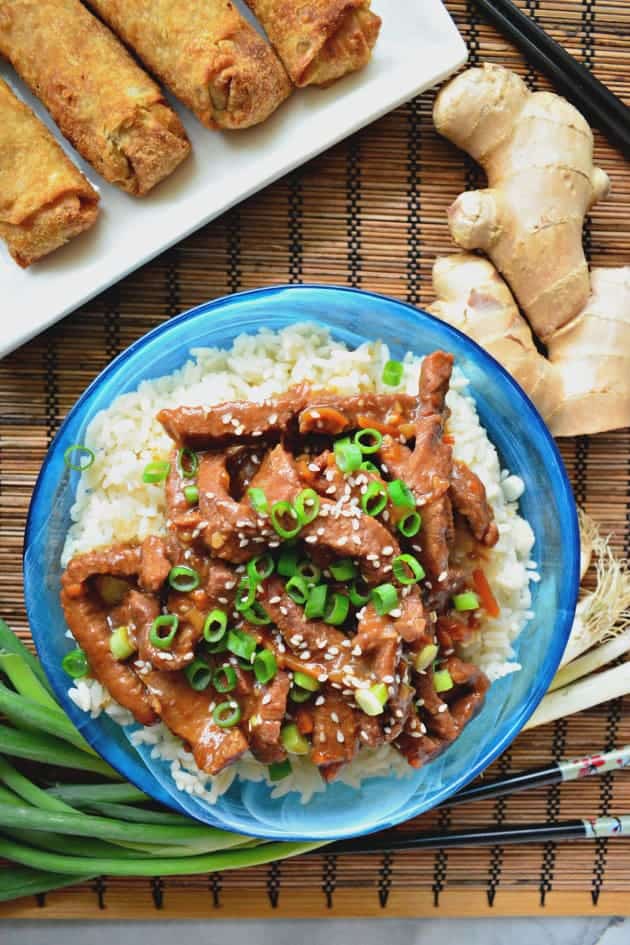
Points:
[[103, 102], [320, 40], [206, 53], [44, 200]]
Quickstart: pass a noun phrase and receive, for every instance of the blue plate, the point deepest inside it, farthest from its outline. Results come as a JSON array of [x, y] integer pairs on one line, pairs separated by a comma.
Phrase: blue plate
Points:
[[525, 447]]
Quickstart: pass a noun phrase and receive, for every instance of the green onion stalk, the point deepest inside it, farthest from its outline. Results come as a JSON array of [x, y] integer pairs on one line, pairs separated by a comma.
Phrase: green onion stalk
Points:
[[59, 834]]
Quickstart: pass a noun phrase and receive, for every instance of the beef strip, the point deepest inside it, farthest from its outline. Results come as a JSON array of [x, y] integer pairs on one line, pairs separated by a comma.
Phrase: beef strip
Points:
[[87, 619], [228, 526], [266, 720], [465, 704], [332, 414], [239, 422], [427, 468], [148, 562], [469, 498], [233, 423], [188, 713], [335, 734], [398, 709]]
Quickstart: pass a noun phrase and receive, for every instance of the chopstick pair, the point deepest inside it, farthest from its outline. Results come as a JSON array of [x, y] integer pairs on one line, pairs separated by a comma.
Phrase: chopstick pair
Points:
[[576, 829], [598, 104]]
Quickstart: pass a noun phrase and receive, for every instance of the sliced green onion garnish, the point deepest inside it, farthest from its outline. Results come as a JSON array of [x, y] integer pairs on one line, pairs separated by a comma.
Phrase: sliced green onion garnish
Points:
[[84, 458], [298, 589], [257, 615], [372, 700], [198, 675], [260, 568], [368, 440], [184, 579], [156, 472], [385, 598], [425, 657], [442, 680], [407, 569], [215, 626], [163, 630], [299, 695], [309, 571], [191, 494], [245, 665], [374, 499], [219, 647], [466, 601], [392, 373], [316, 603], [258, 500], [187, 463], [279, 770], [241, 644], [280, 511], [224, 679], [344, 570], [401, 494], [409, 524], [75, 664], [265, 666], [304, 681], [307, 504], [368, 466], [359, 593], [287, 562], [227, 714], [293, 740], [348, 455], [120, 644], [337, 609], [245, 594]]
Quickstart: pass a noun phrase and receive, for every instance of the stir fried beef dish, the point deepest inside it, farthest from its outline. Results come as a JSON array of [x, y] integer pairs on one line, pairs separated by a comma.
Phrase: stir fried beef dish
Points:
[[324, 557]]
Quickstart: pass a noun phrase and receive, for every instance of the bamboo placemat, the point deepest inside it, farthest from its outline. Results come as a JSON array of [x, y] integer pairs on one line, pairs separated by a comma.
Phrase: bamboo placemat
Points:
[[369, 213]]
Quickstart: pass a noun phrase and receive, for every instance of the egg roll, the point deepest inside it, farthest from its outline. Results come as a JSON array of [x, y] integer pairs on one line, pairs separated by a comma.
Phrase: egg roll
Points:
[[45, 201], [103, 102], [320, 40], [206, 53]]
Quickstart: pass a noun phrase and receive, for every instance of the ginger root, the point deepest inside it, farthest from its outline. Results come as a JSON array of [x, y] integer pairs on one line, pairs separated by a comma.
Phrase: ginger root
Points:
[[537, 152], [583, 386]]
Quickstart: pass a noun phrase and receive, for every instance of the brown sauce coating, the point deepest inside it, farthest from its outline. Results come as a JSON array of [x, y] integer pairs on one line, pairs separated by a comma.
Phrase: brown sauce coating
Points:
[[217, 532]]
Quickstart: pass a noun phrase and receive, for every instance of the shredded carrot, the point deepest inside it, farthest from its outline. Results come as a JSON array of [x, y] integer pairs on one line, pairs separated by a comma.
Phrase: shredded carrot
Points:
[[304, 721], [74, 590], [487, 598], [369, 423], [449, 439], [304, 472]]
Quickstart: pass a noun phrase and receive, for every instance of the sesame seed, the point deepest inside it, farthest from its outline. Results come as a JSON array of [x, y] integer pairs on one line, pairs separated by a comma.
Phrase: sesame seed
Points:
[[399, 713], [284, 610], [306, 655], [423, 728], [396, 612], [313, 467], [320, 700], [388, 550], [323, 677], [388, 679], [356, 650], [340, 737], [311, 539], [229, 585], [333, 650], [346, 643], [356, 539], [443, 707], [322, 736], [266, 699], [275, 599], [334, 717]]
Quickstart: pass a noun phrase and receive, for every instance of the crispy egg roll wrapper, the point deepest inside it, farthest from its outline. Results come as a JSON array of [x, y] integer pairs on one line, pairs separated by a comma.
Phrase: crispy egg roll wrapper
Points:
[[44, 199], [103, 102], [321, 40], [206, 53]]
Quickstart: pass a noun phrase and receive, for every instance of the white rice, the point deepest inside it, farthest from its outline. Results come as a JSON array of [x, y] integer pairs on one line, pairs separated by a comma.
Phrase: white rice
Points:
[[114, 504]]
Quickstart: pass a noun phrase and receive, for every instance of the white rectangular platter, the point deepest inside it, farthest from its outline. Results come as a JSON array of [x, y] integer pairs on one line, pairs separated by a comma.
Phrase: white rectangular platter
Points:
[[418, 47]]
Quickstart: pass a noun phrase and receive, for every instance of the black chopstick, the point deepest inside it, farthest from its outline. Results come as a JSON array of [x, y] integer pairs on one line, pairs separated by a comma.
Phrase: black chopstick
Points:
[[582, 829], [596, 764], [598, 104]]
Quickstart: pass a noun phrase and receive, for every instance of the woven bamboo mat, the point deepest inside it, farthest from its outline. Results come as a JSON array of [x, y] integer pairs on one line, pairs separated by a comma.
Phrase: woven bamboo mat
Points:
[[369, 213]]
